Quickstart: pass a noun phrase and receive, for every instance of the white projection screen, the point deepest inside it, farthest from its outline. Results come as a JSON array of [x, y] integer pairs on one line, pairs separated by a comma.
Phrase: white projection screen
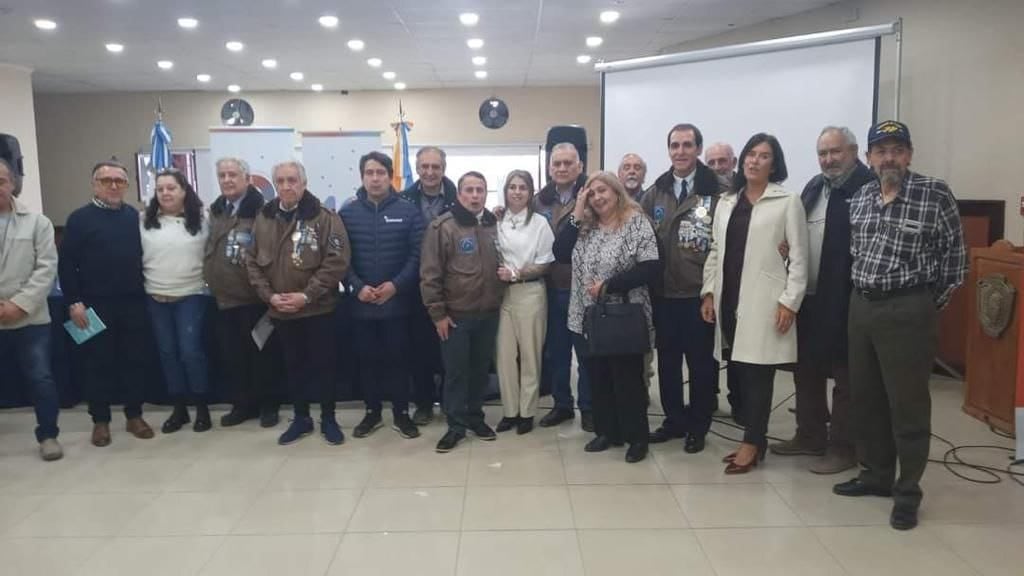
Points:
[[790, 93]]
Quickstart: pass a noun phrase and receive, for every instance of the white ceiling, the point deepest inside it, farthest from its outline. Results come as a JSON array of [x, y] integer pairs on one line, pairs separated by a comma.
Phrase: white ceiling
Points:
[[528, 42]]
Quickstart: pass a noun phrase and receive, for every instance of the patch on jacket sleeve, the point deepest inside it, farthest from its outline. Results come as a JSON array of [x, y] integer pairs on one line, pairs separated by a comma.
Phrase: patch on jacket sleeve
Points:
[[467, 245], [659, 214], [335, 242]]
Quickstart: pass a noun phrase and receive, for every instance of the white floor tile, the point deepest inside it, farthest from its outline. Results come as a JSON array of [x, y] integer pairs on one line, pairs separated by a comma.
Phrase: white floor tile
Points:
[[733, 506], [511, 467], [190, 514], [991, 550], [408, 509], [322, 473], [546, 553], [517, 508], [299, 512], [294, 555], [768, 552], [643, 552], [390, 553], [159, 556], [46, 556], [882, 551], [79, 515], [640, 506]]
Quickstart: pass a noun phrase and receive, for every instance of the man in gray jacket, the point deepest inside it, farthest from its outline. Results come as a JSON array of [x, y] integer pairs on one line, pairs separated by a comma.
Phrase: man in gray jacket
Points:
[[28, 265]]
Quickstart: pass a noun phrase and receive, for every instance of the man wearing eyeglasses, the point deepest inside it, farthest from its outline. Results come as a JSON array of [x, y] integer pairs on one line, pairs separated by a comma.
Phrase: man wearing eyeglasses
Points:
[[101, 268]]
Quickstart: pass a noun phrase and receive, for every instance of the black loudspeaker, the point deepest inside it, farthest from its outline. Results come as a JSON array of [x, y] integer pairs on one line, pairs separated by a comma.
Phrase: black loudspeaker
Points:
[[10, 150], [575, 135]]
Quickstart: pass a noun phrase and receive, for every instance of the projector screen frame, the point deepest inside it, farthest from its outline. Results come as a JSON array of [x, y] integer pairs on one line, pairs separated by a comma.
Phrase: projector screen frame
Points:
[[894, 28]]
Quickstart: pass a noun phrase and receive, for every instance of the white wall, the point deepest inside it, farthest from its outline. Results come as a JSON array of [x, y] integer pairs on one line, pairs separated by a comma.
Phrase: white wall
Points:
[[963, 80], [17, 117]]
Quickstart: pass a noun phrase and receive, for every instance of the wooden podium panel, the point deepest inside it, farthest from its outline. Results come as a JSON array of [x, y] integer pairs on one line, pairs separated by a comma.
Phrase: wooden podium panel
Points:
[[995, 365]]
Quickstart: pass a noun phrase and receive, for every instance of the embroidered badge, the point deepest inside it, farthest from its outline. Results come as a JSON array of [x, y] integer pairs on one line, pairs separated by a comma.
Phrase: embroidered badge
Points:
[[467, 245], [659, 214]]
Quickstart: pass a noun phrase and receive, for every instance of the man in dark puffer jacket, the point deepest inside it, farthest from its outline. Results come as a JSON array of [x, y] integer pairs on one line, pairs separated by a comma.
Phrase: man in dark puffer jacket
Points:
[[385, 232]]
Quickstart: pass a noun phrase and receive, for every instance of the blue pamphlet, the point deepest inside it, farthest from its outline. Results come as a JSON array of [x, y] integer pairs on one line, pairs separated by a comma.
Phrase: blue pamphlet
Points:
[[95, 327]]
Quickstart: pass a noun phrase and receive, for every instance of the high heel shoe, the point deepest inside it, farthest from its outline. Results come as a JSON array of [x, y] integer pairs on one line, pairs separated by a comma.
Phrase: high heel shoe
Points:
[[734, 468]]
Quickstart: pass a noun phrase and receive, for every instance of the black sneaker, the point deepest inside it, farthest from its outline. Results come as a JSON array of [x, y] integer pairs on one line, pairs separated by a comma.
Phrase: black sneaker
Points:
[[235, 417], [423, 415], [371, 422], [556, 416], [269, 418], [449, 441], [506, 424], [299, 428], [483, 431], [525, 426], [331, 431], [587, 420], [404, 426]]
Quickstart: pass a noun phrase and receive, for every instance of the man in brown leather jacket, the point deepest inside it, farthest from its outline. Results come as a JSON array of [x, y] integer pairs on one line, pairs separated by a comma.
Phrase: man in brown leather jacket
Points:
[[462, 292], [299, 255]]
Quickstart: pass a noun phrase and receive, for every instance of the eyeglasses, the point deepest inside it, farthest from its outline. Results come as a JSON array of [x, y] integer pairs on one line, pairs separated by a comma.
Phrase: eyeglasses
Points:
[[112, 182]]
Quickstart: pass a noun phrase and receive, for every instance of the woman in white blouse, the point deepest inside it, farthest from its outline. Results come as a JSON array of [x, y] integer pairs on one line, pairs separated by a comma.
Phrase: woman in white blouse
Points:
[[524, 245], [174, 233]]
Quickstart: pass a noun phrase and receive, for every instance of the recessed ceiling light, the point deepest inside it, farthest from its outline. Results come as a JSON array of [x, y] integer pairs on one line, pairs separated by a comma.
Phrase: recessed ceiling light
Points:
[[235, 46], [583, 59], [469, 18], [389, 75], [475, 43], [203, 77], [479, 60], [375, 62], [609, 16], [234, 88], [115, 48], [328, 21], [44, 24], [480, 74], [356, 45], [317, 87], [297, 76], [188, 23], [594, 41], [269, 63], [165, 64], [399, 85]]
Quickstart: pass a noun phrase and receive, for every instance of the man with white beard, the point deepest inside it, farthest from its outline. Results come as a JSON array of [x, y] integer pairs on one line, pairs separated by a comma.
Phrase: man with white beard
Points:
[[632, 171]]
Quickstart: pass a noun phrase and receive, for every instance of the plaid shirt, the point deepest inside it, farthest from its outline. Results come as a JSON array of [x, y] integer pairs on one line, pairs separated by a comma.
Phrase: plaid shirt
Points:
[[915, 239]]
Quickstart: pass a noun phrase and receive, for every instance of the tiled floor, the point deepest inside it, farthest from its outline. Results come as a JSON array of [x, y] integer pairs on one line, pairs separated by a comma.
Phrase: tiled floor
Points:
[[232, 502]]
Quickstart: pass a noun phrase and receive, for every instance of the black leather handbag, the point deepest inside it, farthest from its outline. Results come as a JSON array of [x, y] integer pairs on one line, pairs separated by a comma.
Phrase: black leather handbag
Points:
[[615, 329]]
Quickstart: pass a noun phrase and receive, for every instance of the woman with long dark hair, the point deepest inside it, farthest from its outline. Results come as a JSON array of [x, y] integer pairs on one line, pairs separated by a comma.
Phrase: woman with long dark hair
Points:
[[174, 234], [752, 290], [524, 245]]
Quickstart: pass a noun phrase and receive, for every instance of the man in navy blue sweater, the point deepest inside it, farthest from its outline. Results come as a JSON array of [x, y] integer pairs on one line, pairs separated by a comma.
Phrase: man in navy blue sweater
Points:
[[100, 267], [385, 232]]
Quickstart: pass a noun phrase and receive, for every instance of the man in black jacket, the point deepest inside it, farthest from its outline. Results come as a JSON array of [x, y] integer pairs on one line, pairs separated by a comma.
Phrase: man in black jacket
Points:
[[434, 195], [821, 324]]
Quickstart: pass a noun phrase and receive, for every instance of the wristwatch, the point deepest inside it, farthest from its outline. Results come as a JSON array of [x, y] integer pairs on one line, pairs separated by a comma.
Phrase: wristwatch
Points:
[[573, 221]]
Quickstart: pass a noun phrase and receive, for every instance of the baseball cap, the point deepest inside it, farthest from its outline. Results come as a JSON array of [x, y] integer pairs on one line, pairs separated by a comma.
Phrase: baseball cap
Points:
[[889, 129]]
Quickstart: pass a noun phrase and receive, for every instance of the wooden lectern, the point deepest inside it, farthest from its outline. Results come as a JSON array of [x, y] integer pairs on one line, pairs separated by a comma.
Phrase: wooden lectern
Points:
[[995, 335]]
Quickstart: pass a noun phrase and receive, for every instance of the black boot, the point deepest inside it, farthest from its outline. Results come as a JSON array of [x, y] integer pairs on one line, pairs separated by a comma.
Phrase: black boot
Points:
[[203, 422], [178, 418]]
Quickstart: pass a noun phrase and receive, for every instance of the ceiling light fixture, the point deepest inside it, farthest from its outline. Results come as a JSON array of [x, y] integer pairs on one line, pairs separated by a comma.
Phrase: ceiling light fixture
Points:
[[583, 59], [399, 85], [356, 45], [328, 21], [297, 76], [235, 46], [469, 18], [389, 75], [115, 48], [475, 43], [269, 63], [203, 77], [479, 60], [609, 16], [375, 62], [165, 64], [317, 87], [44, 24], [594, 41], [188, 23], [234, 88], [480, 74]]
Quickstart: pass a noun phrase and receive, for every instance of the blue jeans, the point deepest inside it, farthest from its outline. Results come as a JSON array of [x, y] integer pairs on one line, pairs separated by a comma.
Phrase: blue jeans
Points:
[[558, 347], [178, 328], [32, 353]]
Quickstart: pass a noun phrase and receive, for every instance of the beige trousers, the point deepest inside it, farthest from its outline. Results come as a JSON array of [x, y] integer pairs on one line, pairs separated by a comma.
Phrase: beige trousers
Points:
[[524, 313]]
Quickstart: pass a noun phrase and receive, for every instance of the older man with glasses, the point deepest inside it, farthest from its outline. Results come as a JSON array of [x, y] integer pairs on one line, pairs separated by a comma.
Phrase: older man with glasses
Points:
[[101, 268]]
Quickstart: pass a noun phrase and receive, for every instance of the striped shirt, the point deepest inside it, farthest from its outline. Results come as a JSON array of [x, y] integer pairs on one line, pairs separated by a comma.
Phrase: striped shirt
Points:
[[915, 239]]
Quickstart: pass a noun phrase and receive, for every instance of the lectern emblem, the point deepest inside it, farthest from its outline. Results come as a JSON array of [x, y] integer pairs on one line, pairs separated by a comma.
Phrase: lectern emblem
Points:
[[995, 304]]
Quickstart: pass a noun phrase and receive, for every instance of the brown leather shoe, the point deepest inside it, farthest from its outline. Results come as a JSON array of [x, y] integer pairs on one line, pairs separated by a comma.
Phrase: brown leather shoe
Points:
[[101, 434], [138, 428]]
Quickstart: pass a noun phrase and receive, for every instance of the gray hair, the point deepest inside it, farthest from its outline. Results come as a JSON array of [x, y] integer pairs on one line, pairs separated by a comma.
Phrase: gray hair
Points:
[[843, 131], [627, 155], [291, 164], [242, 164], [425, 149], [726, 145], [12, 170], [565, 147]]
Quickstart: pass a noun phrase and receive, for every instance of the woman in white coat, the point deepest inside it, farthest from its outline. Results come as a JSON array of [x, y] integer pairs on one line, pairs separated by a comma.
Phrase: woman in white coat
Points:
[[754, 291]]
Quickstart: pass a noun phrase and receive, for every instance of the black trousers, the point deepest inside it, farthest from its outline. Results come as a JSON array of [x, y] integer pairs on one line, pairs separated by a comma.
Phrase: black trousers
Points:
[[682, 333], [113, 360], [892, 350], [383, 348], [309, 346], [618, 395], [757, 382], [424, 357], [250, 374], [468, 354]]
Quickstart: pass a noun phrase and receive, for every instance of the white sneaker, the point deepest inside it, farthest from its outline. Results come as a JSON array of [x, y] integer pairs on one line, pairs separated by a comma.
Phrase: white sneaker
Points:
[[50, 450]]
